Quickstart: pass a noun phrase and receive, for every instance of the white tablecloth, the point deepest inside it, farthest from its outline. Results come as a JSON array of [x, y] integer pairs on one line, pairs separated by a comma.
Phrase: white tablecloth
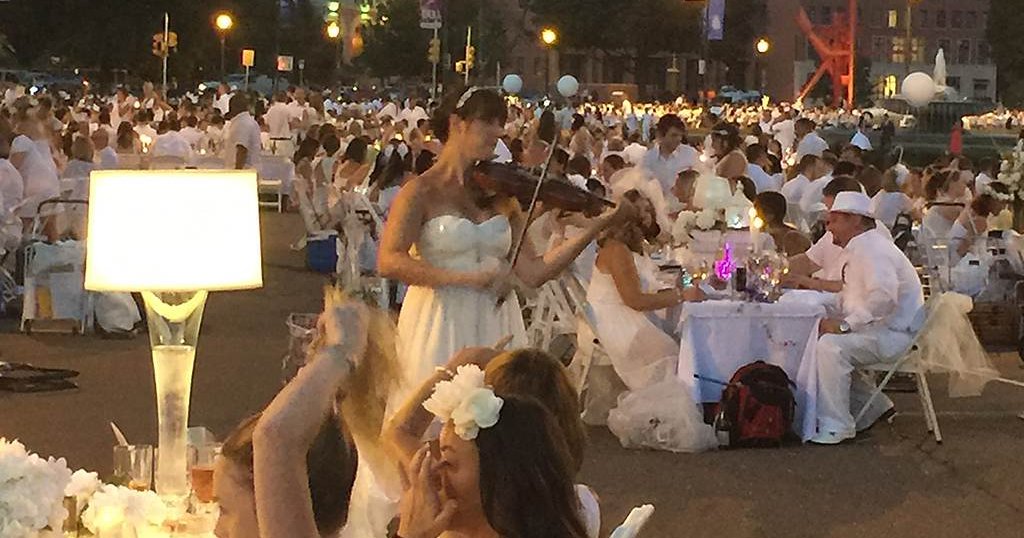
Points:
[[276, 168], [718, 337]]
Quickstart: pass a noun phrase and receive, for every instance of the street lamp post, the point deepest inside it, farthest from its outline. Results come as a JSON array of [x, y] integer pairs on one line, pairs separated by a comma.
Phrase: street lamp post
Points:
[[549, 37], [334, 33], [223, 23], [763, 46]]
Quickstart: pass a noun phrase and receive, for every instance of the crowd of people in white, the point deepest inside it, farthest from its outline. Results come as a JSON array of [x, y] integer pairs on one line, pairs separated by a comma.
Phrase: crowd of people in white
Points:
[[512, 440]]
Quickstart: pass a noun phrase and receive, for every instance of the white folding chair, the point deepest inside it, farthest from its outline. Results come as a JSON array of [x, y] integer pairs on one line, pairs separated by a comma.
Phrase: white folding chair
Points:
[[273, 172], [909, 363]]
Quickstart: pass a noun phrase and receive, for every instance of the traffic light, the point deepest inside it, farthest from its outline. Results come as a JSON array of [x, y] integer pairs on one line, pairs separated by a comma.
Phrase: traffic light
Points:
[[434, 51], [159, 46], [460, 66], [470, 57]]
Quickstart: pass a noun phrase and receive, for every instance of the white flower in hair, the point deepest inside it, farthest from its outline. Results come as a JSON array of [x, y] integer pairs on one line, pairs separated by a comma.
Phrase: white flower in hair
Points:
[[466, 401]]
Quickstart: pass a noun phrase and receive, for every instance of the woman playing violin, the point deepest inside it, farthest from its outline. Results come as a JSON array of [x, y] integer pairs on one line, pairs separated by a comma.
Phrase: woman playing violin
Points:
[[450, 240]]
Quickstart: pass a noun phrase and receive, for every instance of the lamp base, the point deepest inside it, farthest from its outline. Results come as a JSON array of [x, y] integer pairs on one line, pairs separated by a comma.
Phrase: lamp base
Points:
[[174, 320]]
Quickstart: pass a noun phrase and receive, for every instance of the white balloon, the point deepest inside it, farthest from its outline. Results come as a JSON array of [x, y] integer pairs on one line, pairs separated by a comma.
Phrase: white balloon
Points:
[[568, 86], [918, 89], [512, 84]]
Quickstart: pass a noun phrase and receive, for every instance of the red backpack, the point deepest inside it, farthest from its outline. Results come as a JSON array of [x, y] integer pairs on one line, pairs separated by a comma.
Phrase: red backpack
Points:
[[757, 407]]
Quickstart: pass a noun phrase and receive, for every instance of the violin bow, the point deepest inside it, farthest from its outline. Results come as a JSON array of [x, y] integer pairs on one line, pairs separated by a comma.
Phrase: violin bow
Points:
[[533, 202]]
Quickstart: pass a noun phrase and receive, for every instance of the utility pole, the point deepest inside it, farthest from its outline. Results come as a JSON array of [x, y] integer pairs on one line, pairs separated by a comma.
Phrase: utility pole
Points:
[[469, 52], [167, 49]]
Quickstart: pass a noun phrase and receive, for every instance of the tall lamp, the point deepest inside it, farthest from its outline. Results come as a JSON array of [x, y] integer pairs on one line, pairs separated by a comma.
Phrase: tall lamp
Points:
[[173, 235]]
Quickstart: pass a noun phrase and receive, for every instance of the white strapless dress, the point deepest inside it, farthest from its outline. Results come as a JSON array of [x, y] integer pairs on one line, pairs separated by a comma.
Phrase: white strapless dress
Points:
[[437, 322]]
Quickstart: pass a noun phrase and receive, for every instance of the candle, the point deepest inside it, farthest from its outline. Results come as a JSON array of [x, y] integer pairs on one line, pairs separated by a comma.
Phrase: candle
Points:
[[756, 223]]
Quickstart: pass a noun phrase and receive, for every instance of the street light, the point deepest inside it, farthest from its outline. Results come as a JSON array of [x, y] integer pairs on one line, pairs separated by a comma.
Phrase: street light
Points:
[[549, 37], [763, 46], [334, 33], [223, 22]]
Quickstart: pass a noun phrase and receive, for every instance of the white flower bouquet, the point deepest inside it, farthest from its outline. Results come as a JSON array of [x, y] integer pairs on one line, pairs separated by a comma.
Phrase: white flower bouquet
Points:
[[31, 492], [1011, 171]]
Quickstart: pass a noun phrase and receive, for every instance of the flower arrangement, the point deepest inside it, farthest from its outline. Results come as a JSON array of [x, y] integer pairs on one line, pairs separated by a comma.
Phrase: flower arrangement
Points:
[[466, 401], [687, 221], [31, 492], [1011, 172]]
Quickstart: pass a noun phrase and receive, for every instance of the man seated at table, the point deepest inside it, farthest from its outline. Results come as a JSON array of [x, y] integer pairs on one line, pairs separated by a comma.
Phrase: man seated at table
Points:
[[820, 267], [880, 299]]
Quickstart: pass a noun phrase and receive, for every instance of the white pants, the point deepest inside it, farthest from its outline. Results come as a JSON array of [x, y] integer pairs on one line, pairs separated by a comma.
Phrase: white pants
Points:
[[840, 393]]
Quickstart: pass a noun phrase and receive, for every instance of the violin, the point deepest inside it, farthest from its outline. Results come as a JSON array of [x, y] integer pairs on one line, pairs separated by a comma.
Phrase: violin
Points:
[[512, 180]]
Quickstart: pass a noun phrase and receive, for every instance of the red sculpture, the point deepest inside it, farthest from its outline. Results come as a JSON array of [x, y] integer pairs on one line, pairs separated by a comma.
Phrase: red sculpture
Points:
[[835, 44]]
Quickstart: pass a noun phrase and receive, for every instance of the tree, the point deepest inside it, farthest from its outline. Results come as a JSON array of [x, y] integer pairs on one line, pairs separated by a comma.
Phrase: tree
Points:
[[744, 23], [1005, 20], [397, 47]]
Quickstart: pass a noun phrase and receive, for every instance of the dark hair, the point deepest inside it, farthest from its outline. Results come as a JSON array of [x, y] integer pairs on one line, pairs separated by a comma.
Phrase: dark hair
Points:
[[515, 147], [771, 206], [534, 373], [984, 204], [728, 134], [561, 157], [546, 129], [871, 178], [125, 135], [526, 483], [668, 122], [748, 186], [356, 150], [424, 161], [615, 161], [482, 104], [939, 182], [579, 165], [841, 184], [845, 168], [330, 466], [806, 162], [577, 122], [307, 149], [330, 143], [755, 152]]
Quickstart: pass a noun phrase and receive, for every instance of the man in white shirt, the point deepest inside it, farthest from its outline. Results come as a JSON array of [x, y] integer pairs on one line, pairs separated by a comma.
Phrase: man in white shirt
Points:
[[280, 122], [193, 135], [810, 143], [807, 170], [987, 173], [223, 100], [241, 136], [169, 142], [104, 156], [122, 108], [757, 161], [784, 131], [810, 202], [821, 267], [877, 316], [669, 155]]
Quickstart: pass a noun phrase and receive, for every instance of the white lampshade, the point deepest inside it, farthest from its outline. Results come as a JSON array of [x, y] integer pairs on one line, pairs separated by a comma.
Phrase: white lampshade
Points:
[[173, 230]]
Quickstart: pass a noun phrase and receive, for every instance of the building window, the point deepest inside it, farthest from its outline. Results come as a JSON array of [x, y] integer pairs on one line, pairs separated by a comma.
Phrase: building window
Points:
[[984, 53], [896, 46], [981, 87], [894, 18], [889, 86], [972, 19], [879, 49], [963, 52], [958, 19], [917, 49], [922, 18], [940, 18]]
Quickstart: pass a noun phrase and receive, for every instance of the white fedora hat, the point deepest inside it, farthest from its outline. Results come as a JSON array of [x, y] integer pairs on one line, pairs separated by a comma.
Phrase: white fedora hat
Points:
[[854, 203]]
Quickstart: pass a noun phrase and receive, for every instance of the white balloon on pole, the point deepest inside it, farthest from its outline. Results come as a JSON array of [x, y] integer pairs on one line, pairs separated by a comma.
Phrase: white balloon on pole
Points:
[[512, 84], [568, 86], [918, 89]]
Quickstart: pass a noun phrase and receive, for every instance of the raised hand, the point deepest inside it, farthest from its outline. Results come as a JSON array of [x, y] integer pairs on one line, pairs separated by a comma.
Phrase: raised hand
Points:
[[421, 512]]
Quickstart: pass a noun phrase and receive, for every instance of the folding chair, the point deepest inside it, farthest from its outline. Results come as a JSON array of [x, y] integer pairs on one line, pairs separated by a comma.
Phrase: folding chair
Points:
[[909, 363], [273, 173]]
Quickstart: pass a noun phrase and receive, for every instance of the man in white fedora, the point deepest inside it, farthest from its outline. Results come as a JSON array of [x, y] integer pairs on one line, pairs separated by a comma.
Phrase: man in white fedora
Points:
[[880, 299]]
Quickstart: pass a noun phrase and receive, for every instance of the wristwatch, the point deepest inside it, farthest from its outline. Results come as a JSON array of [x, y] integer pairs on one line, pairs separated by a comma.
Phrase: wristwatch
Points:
[[844, 327]]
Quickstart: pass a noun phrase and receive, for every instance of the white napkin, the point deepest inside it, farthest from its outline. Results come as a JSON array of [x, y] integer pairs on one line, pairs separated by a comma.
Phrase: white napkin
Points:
[[635, 521]]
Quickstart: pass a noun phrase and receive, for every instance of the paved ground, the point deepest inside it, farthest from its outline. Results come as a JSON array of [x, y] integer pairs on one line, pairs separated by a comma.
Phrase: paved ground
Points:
[[896, 482]]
